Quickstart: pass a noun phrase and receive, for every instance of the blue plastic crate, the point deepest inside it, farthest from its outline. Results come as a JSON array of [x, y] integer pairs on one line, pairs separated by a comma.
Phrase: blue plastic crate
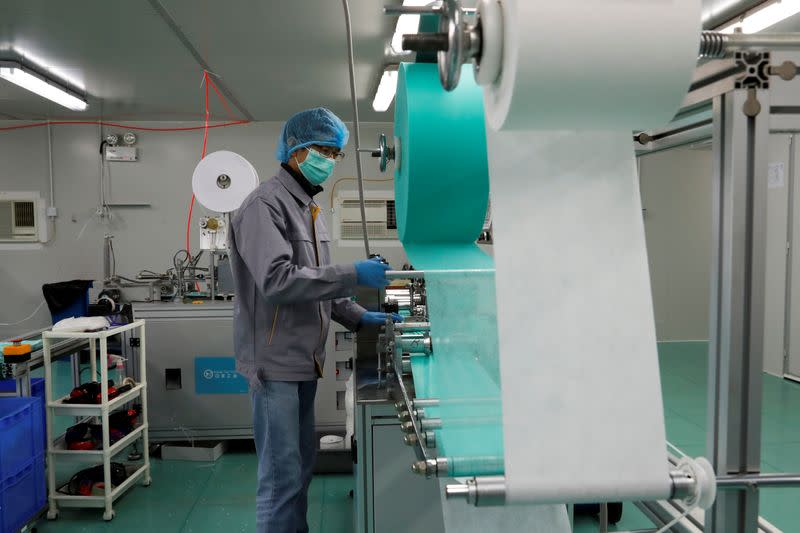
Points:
[[21, 433], [37, 391], [22, 495]]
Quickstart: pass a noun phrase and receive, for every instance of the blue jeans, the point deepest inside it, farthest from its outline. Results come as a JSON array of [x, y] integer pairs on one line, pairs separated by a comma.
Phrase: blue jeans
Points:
[[286, 444]]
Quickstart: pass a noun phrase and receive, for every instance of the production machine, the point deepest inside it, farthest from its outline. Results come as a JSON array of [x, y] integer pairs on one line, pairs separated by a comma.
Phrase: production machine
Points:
[[468, 381], [194, 388]]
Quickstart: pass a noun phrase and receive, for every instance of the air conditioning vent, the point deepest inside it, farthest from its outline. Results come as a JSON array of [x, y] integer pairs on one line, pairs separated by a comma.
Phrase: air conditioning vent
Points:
[[25, 217], [20, 217], [375, 230], [391, 215], [380, 214]]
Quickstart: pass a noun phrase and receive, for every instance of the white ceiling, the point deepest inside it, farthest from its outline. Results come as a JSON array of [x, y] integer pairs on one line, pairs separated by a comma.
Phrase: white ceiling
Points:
[[273, 57]]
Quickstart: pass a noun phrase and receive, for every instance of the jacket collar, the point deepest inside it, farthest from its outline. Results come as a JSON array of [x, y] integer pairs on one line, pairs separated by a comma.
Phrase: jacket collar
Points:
[[297, 184]]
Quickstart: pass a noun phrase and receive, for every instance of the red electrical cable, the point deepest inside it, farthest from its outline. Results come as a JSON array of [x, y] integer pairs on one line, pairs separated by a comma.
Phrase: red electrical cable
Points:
[[231, 114], [124, 126], [202, 156], [205, 127]]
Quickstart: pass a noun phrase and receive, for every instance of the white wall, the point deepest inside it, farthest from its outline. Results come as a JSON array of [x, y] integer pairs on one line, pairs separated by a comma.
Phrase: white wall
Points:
[[145, 236], [775, 297], [676, 198], [676, 193]]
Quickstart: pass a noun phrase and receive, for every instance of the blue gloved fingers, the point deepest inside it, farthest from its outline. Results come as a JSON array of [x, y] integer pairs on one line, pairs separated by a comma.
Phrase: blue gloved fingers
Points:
[[373, 318], [372, 273]]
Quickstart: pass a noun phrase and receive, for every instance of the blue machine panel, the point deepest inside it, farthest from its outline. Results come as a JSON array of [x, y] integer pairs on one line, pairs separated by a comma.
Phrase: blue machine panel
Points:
[[218, 375]]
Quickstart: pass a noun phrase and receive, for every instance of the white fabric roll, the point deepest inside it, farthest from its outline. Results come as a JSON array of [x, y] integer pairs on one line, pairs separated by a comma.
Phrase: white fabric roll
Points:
[[223, 195], [593, 64], [582, 409]]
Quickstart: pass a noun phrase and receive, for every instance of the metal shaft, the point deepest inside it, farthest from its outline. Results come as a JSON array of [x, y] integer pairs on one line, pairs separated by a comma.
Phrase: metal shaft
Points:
[[718, 45], [426, 42], [356, 124], [412, 10], [418, 274], [756, 480], [412, 326]]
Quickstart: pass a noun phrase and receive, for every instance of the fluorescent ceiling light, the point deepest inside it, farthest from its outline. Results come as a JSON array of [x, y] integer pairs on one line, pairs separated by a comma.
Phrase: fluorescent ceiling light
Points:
[[27, 79], [388, 86], [406, 24], [386, 89], [764, 17]]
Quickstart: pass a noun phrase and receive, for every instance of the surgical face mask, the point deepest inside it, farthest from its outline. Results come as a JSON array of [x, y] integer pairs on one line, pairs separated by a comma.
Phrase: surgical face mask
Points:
[[316, 167]]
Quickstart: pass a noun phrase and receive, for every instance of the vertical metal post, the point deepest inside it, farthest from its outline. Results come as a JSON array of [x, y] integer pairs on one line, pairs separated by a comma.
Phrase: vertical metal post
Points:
[[603, 518], [104, 412], [787, 314], [143, 399], [212, 285], [24, 382], [93, 361], [741, 131], [52, 511], [75, 361]]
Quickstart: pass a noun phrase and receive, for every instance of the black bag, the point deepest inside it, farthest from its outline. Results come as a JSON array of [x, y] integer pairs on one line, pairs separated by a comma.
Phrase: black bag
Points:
[[62, 295]]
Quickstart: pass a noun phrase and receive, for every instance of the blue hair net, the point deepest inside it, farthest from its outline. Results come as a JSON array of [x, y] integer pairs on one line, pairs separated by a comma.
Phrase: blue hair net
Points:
[[312, 126]]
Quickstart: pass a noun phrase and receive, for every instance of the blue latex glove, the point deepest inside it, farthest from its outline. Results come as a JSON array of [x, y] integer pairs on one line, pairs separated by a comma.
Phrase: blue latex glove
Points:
[[374, 318], [372, 273]]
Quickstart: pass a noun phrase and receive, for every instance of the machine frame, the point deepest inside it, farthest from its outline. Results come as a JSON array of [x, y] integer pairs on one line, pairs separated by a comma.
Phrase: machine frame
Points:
[[734, 103]]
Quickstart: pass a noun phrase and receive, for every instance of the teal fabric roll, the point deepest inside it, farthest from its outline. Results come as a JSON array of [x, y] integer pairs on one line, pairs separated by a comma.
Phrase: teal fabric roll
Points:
[[441, 194]]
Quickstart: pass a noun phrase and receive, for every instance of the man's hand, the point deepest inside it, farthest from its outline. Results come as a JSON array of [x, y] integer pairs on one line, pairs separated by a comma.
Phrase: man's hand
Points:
[[373, 318], [372, 272]]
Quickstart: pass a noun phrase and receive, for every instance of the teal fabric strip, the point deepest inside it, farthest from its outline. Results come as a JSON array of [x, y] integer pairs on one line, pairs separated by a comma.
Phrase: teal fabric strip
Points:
[[441, 193]]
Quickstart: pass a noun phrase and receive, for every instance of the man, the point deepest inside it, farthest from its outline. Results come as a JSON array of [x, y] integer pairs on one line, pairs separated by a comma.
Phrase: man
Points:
[[286, 294]]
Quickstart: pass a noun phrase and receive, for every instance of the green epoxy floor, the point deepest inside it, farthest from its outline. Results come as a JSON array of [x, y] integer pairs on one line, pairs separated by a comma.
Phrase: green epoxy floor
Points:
[[684, 375], [206, 497]]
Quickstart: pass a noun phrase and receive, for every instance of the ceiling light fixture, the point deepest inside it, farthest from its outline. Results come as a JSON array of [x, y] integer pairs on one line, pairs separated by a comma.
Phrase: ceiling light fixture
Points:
[[36, 83], [764, 16], [386, 89]]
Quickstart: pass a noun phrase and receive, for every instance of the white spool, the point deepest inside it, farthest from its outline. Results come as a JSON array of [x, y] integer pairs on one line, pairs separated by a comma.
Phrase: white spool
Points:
[[706, 485], [222, 180], [488, 68]]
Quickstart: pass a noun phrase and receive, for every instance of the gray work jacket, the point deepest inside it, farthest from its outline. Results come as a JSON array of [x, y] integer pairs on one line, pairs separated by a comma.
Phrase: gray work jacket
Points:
[[286, 289]]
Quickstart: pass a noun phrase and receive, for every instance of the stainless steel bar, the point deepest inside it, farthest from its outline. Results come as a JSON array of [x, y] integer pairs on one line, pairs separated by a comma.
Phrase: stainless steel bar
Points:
[[418, 274], [426, 402], [212, 276], [480, 491], [412, 326], [412, 10], [787, 314], [718, 12], [757, 480], [758, 41], [682, 484], [414, 344], [356, 124], [431, 423], [737, 301]]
